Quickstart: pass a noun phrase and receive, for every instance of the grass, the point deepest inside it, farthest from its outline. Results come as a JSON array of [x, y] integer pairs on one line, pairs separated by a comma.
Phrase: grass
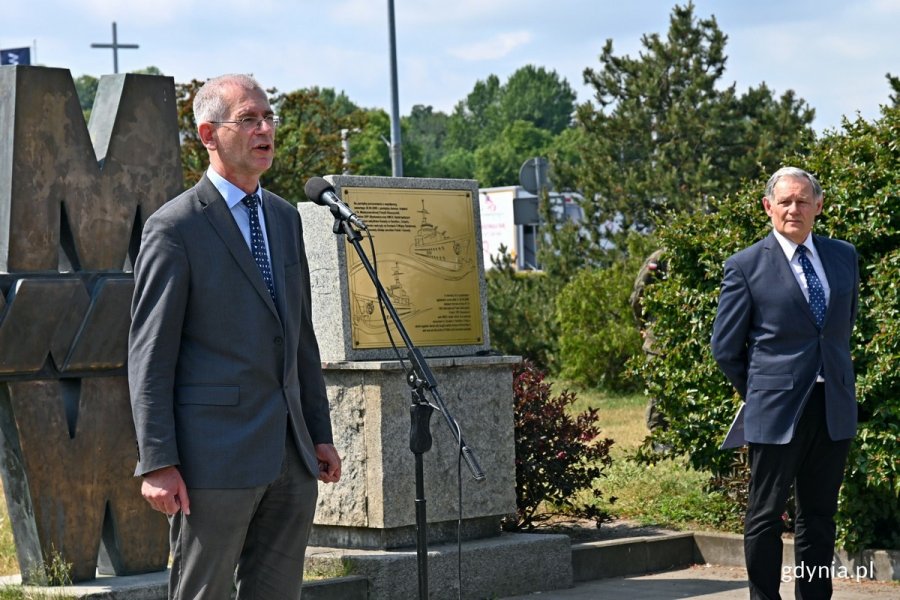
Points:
[[669, 494], [16, 592], [9, 564]]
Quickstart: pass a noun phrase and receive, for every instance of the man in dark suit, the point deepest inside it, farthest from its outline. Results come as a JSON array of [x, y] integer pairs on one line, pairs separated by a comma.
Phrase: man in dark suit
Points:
[[782, 337], [227, 393]]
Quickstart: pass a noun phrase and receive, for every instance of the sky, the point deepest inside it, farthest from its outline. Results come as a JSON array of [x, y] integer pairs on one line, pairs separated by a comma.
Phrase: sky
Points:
[[833, 53]]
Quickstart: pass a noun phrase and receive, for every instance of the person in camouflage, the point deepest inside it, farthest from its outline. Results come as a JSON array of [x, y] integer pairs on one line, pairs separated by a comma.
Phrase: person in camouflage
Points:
[[651, 271]]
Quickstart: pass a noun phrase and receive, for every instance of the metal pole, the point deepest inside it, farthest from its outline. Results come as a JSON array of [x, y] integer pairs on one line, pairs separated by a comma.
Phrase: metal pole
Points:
[[115, 46], [396, 144]]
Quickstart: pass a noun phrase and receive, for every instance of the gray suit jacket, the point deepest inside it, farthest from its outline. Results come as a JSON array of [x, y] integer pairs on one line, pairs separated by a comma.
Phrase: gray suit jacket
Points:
[[218, 374], [766, 342]]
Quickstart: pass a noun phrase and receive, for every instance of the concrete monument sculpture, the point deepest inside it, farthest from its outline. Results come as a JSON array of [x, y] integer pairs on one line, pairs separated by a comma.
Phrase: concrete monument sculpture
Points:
[[72, 202]]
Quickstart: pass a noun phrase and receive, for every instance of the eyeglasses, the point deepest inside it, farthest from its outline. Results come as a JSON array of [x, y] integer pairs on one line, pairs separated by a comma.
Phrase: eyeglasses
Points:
[[253, 123]]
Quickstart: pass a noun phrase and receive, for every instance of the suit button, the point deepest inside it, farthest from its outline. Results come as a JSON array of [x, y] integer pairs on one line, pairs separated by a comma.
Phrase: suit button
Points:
[[278, 341]]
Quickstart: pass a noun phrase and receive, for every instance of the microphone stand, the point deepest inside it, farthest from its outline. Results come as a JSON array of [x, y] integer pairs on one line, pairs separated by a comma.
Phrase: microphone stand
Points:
[[420, 378]]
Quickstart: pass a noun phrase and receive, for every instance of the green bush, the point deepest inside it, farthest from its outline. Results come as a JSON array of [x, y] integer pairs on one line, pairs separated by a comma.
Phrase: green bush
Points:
[[558, 454], [598, 334], [859, 167], [520, 313]]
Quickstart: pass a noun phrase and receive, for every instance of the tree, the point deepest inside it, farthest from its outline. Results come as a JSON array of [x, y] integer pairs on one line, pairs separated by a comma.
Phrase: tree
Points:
[[537, 96], [531, 94], [151, 70], [660, 137], [308, 140], [426, 130], [369, 148], [473, 116], [194, 159], [86, 88], [894, 82], [498, 162]]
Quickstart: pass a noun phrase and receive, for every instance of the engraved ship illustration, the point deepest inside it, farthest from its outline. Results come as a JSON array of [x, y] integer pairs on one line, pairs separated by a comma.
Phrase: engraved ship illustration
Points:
[[367, 306], [437, 249]]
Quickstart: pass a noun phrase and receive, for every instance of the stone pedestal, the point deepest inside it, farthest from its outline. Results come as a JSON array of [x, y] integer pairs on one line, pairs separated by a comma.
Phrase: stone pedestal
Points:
[[373, 506]]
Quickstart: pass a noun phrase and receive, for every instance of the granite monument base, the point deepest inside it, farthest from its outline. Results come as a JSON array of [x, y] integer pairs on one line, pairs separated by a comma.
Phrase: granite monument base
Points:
[[373, 506]]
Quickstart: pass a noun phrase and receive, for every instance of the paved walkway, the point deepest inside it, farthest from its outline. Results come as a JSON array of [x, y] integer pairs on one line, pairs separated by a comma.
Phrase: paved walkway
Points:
[[701, 581]]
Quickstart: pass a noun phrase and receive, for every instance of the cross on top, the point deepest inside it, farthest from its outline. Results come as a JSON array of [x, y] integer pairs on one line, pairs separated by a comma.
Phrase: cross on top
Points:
[[115, 48]]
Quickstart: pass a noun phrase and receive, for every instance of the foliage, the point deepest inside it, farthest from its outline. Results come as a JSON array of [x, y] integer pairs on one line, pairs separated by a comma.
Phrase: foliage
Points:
[[497, 162], [86, 88], [597, 330], [662, 135], [53, 572], [518, 316], [370, 150], [194, 159], [537, 96], [894, 82], [860, 171], [473, 116], [455, 164], [18, 592], [669, 493], [505, 124], [308, 142], [557, 454], [426, 131]]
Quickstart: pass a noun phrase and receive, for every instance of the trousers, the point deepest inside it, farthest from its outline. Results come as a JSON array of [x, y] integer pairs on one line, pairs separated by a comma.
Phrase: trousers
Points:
[[814, 464], [251, 539]]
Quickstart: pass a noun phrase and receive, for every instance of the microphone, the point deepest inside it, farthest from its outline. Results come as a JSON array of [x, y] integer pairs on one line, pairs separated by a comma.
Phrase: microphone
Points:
[[322, 193]]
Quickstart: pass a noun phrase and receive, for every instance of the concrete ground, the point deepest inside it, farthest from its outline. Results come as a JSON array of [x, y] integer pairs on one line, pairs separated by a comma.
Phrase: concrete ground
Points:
[[708, 582]]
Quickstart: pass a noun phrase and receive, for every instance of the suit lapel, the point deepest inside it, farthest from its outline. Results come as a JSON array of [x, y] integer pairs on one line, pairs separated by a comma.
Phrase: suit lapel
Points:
[[277, 236], [782, 268], [829, 264], [219, 215]]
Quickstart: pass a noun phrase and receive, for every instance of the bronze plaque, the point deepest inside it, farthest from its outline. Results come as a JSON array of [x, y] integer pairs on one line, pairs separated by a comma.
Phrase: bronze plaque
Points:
[[426, 260]]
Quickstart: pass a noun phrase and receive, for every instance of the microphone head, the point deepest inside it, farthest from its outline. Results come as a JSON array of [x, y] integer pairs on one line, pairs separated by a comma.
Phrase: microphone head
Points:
[[315, 187]]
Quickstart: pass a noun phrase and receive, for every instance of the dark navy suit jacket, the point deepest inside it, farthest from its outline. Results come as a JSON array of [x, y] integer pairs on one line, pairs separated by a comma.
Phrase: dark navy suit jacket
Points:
[[766, 341]]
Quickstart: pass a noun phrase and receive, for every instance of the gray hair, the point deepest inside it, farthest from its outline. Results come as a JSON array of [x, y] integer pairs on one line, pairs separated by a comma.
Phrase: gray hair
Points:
[[793, 172], [209, 102]]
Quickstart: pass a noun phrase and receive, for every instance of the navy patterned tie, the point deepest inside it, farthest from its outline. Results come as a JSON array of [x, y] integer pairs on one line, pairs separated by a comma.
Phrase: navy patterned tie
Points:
[[257, 243], [814, 285]]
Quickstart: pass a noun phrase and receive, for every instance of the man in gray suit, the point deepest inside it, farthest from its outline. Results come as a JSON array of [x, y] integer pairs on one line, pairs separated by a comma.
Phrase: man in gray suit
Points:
[[227, 393], [782, 337]]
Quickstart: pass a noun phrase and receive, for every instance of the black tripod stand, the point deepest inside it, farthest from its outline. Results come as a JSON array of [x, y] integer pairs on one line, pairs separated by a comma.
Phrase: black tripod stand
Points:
[[420, 379]]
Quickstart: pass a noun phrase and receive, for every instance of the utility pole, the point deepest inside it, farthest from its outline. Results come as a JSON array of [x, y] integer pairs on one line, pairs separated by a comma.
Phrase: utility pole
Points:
[[396, 144], [115, 48]]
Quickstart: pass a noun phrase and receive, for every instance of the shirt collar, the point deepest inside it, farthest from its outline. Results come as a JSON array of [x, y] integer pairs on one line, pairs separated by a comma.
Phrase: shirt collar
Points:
[[790, 248], [230, 192]]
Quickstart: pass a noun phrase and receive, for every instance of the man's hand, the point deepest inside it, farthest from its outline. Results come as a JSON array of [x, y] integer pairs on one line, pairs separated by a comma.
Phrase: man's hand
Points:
[[164, 489], [329, 463]]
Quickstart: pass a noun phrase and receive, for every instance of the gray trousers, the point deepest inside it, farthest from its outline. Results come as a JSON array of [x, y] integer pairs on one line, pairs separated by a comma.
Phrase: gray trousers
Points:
[[254, 538]]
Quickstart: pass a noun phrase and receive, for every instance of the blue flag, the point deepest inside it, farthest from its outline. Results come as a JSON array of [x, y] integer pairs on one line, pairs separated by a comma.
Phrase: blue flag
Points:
[[15, 56]]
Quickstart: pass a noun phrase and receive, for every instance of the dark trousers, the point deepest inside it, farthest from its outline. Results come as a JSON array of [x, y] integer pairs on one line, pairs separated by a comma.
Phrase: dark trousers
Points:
[[262, 532], [814, 464]]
